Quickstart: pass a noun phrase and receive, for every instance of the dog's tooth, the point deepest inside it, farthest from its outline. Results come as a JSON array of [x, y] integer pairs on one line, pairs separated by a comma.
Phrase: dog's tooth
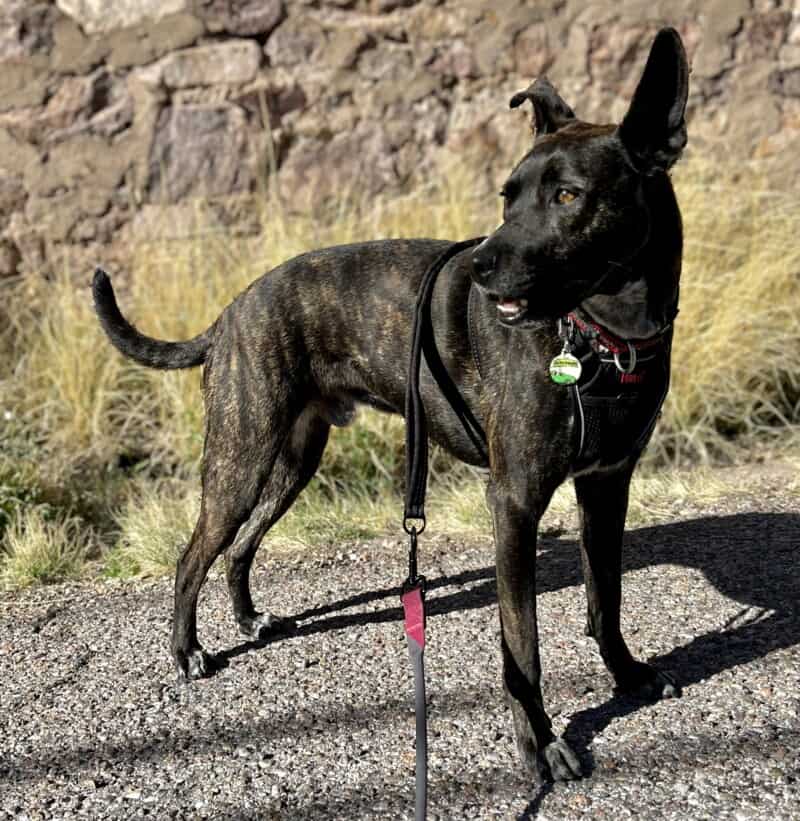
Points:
[[510, 308]]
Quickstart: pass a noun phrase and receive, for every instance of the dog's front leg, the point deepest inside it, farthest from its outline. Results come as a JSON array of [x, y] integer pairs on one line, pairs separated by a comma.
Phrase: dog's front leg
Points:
[[603, 504], [515, 526]]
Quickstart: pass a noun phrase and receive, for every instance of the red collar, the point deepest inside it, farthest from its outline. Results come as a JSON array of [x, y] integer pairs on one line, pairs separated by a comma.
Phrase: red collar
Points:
[[599, 336]]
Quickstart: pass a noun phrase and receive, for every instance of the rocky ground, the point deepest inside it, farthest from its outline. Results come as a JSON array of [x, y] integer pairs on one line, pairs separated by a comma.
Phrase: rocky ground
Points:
[[319, 725]]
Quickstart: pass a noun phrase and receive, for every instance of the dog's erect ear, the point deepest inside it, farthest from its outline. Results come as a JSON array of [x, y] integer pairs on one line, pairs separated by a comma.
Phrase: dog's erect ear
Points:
[[654, 129], [550, 112]]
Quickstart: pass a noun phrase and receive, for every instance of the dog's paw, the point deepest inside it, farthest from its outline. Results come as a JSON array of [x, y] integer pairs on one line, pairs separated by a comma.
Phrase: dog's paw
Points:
[[194, 664], [646, 682], [264, 625], [554, 762], [557, 762]]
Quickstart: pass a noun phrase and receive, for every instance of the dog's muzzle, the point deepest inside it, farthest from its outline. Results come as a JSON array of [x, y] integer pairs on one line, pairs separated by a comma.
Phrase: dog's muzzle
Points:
[[510, 308]]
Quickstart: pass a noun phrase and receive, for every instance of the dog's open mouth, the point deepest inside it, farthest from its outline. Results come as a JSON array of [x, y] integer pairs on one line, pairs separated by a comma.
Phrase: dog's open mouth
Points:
[[511, 311]]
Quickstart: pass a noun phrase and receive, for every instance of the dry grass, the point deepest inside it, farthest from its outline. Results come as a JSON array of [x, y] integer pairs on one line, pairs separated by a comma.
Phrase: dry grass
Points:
[[153, 527], [41, 548], [87, 422], [459, 508], [158, 518], [736, 375], [74, 400], [655, 497]]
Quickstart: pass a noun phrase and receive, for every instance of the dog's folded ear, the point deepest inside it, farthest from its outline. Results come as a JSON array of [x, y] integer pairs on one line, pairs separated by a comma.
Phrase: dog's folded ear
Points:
[[654, 129], [550, 112]]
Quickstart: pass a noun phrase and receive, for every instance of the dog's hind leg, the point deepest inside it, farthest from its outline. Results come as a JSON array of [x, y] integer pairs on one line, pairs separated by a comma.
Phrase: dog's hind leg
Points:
[[222, 511], [215, 529], [603, 504], [295, 465], [241, 448]]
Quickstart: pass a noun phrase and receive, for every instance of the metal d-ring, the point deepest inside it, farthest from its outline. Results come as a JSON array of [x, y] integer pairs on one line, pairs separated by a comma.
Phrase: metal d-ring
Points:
[[412, 529], [631, 361]]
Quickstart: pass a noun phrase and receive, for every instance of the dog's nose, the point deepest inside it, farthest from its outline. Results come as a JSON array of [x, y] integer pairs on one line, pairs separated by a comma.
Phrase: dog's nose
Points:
[[483, 264]]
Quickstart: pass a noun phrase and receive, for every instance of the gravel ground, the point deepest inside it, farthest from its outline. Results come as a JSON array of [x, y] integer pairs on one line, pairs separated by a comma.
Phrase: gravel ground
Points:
[[319, 725]]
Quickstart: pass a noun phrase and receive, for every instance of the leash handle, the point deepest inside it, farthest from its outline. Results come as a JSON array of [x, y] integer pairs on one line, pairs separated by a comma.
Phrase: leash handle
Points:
[[413, 599]]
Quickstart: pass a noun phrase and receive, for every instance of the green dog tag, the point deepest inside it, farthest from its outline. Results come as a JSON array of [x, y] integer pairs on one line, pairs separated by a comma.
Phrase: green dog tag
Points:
[[565, 369]]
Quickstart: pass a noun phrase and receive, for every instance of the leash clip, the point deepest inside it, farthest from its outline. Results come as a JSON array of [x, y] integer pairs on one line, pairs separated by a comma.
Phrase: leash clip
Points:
[[414, 581], [566, 331], [411, 585], [412, 529]]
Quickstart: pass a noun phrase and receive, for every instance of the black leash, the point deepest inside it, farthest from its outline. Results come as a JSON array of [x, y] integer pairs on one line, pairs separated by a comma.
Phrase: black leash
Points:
[[413, 589], [422, 339]]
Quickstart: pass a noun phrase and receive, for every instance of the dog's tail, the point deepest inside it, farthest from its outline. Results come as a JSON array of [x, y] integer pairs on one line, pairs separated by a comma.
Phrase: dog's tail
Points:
[[142, 349]]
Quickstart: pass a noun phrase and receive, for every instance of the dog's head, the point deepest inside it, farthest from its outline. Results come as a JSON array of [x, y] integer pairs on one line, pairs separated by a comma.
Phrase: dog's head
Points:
[[575, 208]]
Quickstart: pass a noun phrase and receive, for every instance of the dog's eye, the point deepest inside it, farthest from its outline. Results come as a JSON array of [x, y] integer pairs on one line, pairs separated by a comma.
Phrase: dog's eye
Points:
[[564, 197], [510, 190]]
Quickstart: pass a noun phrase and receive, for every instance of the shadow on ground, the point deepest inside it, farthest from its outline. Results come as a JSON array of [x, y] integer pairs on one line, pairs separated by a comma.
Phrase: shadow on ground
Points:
[[750, 558]]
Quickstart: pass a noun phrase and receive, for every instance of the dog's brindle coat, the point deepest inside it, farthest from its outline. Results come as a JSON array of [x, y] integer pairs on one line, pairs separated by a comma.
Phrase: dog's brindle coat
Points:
[[590, 219]]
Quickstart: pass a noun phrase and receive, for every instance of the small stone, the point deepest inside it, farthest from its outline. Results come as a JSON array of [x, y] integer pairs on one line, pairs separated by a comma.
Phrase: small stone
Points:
[[231, 62], [97, 16]]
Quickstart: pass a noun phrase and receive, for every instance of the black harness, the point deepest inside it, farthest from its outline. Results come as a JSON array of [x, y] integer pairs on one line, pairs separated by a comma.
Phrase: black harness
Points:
[[618, 398], [619, 395]]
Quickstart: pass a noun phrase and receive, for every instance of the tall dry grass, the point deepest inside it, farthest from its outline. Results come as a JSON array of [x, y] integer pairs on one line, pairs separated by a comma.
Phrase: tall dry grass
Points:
[[41, 548], [83, 422], [736, 360]]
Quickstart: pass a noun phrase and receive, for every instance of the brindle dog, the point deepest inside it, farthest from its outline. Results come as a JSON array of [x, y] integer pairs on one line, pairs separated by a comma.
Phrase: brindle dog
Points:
[[590, 220]]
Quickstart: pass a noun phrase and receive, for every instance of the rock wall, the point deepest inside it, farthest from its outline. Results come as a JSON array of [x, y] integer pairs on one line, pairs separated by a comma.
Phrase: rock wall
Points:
[[117, 118]]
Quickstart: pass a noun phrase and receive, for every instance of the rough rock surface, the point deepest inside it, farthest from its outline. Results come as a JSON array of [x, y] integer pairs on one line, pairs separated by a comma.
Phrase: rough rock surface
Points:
[[318, 725], [375, 94]]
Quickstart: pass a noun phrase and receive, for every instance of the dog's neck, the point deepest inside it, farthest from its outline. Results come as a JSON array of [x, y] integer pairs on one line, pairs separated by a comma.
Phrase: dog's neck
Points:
[[625, 313]]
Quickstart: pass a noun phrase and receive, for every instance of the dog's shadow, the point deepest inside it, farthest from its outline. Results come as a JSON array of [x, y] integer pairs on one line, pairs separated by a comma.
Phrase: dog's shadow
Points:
[[750, 558]]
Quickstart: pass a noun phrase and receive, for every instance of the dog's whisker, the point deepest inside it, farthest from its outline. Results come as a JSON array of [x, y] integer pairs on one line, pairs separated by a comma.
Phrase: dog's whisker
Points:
[[623, 265]]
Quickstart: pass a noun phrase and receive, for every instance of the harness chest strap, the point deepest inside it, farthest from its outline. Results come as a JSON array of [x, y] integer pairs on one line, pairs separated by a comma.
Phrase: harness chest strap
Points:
[[616, 405]]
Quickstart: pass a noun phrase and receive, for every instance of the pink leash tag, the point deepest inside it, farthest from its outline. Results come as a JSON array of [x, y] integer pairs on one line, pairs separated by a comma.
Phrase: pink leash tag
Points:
[[414, 610]]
